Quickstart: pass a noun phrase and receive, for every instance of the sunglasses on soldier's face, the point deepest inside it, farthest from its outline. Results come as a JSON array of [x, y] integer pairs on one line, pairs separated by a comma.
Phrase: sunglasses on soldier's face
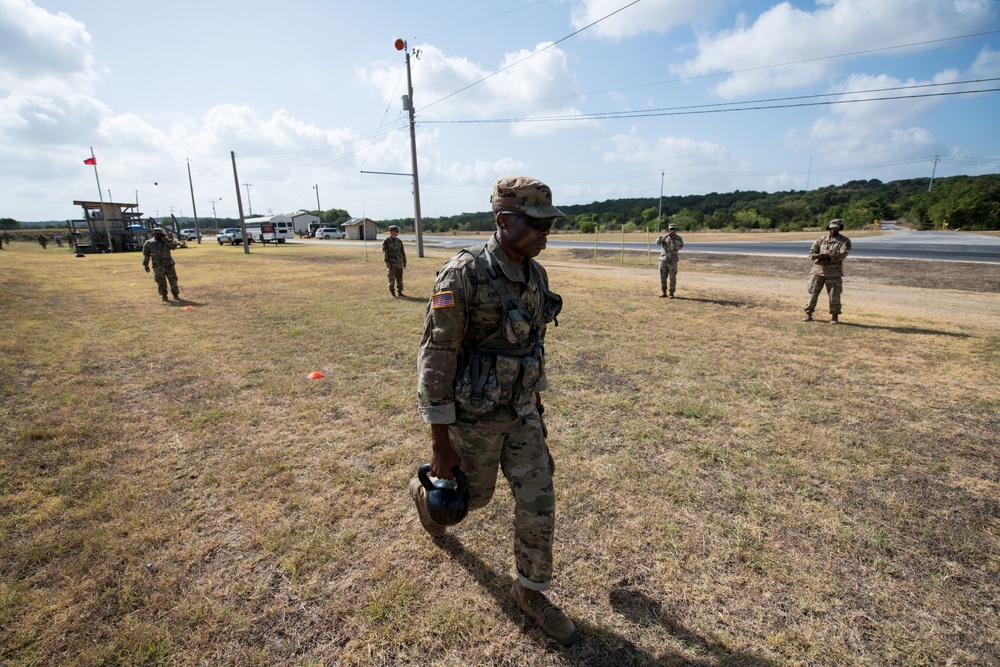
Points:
[[538, 224]]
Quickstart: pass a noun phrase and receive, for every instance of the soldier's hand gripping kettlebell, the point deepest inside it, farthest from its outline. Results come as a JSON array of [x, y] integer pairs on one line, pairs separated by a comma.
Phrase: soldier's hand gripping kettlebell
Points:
[[447, 500]]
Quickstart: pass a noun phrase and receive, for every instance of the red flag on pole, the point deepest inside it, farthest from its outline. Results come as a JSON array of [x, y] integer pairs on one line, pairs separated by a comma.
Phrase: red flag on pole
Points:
[[90, 160]]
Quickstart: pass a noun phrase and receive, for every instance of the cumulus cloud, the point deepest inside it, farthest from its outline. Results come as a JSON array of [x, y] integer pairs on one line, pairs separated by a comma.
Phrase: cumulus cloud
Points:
[[539, 86], [880, 131], [786, 34], [648, 16], [681, 153], [41, 51]]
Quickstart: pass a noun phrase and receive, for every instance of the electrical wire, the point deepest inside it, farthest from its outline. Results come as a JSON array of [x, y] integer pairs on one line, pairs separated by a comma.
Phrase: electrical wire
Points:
[[737, 106], [532, 55]]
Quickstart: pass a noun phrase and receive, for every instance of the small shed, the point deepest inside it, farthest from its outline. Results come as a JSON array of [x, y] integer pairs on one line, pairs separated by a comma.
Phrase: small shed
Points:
[[304, 222], [361, 229]]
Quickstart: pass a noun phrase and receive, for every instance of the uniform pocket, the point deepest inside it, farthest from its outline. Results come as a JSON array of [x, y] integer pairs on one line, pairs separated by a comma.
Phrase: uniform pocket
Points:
[[477, 389]]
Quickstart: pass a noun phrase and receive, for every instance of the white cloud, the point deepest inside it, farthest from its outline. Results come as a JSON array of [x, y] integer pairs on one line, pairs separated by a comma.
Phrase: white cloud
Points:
[[681, 153], [873, 132], [43, 53], [538, 86], [785, 34], [987, 64], [654, 16]]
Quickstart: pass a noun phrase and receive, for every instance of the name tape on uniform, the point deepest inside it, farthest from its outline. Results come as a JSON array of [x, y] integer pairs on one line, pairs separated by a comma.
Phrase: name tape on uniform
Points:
[[443, 300]]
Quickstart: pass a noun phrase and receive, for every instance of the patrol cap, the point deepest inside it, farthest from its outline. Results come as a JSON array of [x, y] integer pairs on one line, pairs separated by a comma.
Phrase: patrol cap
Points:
[[524, 194], [671, 226], [158, 230], [835, 223], [393, 228]]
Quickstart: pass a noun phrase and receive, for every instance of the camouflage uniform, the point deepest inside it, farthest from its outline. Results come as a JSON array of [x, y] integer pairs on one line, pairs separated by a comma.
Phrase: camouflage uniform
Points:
[[157, 251], [668, 260], [395, 261], [479, 369], [828, 272]]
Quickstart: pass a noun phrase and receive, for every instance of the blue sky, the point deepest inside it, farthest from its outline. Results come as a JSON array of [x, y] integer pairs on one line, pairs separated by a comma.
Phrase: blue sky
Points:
[[610, 98]]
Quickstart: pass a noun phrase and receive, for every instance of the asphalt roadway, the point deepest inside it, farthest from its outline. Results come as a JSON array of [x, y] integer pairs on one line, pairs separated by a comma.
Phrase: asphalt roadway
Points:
[[898, 243]]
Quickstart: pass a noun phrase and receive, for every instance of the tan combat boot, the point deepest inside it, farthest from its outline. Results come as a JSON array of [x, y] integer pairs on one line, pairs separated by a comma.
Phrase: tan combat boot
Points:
[[834, 320], [418, 494], [551, 619], [808, 317]]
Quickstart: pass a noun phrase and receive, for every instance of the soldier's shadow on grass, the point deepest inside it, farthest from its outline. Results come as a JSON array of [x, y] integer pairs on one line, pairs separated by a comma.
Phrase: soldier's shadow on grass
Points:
[[644, 610], [595, 645], [407, 297], [905, 330], [185, 302], [718, 302]]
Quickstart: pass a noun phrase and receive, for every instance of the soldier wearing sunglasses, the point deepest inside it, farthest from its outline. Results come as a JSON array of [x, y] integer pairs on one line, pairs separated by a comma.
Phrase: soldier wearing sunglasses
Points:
[[481, 368]]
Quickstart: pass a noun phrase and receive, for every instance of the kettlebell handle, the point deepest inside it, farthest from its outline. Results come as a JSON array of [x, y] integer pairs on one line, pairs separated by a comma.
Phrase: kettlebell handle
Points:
[[425, 481]]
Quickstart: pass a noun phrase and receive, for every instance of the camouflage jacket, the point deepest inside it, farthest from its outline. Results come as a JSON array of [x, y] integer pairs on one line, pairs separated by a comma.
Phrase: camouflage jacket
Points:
[[478, 363], [669, 247], [158, 252], [837, 248], [392, 251]]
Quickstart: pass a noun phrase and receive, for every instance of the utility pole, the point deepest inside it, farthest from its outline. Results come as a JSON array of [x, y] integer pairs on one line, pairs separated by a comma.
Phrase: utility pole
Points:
[[408, 103], [239, 204], [249, 203], [659, 213], [214, 215], [319, 211], [197, 230], [933, 171]]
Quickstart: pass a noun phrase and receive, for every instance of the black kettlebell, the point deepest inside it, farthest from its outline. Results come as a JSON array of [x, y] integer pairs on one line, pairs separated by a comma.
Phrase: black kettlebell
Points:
[[447, 500]]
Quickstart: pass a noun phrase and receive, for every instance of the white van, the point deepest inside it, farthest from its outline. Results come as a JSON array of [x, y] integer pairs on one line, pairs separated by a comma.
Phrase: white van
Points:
[[329, 233]]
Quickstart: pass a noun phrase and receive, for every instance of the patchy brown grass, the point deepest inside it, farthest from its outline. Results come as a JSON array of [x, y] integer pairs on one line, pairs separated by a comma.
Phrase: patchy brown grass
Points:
[[735, 487]]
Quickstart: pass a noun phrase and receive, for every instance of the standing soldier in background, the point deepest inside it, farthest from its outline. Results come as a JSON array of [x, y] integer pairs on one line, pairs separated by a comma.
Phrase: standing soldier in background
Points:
[[42, 241], [480, 369], [395, 260], [58, 239], [827, 254], [669, 244], [157, 250]]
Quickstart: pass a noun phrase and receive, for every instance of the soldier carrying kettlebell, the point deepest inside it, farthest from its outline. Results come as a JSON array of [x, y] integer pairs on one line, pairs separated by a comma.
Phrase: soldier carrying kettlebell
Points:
[[481, 368]]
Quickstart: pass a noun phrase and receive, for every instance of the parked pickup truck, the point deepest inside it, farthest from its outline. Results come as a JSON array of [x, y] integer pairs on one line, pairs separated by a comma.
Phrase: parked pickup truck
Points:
[[231, 235]]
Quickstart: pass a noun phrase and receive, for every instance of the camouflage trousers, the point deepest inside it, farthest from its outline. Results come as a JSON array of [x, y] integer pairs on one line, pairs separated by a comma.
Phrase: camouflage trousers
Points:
[[521, 454], [161, 274], [834, 288], [668, 270], [395, 273]]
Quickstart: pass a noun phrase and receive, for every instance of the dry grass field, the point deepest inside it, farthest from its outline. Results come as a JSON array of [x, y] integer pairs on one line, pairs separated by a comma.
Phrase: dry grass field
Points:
[[735, 487]]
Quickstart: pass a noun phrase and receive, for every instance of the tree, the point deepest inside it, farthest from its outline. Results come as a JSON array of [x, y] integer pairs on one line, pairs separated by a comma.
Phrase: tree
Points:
[[9, 223]]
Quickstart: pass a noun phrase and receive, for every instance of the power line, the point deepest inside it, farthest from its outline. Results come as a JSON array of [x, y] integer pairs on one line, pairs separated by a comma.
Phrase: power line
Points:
[[739, 106], [532, 55], [730, 72]]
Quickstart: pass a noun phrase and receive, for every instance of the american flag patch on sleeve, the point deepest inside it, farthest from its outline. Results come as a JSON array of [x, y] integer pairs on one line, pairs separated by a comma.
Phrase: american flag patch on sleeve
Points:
[[443, 300]]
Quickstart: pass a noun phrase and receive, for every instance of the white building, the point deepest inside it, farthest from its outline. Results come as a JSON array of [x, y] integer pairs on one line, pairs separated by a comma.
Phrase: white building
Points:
[[304, 222]]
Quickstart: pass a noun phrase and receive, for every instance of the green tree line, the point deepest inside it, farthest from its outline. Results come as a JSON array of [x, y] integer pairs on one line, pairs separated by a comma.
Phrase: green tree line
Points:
[[954, 202], [965, 202]]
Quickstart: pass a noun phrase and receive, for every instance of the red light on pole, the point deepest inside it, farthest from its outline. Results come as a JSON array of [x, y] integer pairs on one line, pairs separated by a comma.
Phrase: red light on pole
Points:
[[399, 44]]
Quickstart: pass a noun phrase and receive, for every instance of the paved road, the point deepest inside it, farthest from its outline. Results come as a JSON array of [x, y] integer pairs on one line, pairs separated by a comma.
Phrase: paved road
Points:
[[897, 244]]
